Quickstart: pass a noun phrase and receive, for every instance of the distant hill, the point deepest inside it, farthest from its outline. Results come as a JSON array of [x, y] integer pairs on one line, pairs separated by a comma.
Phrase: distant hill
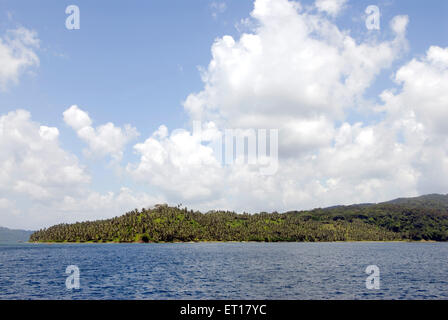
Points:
[[433, 201], [413, 219], [14, 236]]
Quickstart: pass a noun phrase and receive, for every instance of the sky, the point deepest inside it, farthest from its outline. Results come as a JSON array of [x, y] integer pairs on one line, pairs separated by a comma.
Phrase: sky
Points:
[[102, 119]]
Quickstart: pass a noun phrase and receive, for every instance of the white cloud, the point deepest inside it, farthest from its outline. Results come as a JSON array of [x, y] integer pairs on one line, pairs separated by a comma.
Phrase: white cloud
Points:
[[424, 95], [298, 72], [33, 167], [69, 208], [32, 161], [399, 24], [104, 140], [178, 164], [361, 166], [438, 56], [332, 7], [295, 70], [42, 184], [17, 52], [76, 118], [418, 112], [94, 205], [48, 133]]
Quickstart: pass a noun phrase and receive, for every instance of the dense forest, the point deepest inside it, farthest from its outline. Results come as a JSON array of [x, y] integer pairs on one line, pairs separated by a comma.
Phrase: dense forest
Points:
[[413, 219]]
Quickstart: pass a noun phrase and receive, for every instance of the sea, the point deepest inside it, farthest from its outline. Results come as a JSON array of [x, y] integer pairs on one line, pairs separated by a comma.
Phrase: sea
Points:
[[206, 271]]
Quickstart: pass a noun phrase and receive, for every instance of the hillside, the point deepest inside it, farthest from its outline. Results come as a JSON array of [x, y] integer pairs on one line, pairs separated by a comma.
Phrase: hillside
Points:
[[431, 201], [14, 236], [422, 218]]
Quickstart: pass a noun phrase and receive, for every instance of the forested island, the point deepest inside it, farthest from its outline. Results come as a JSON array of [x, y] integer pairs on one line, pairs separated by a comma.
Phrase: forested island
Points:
[[411, 219]]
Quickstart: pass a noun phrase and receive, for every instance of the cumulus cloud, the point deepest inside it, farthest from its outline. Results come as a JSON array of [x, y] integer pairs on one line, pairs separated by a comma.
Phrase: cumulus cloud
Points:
[[17, 53], [104, 140], [295, 70], [32, 161], [424, 95], [332, 7], [360, 166], [33, 167], [178, 164], [399, 24], [43, 184], [299, 72], [71, 207], [417, 113], [95, 205]]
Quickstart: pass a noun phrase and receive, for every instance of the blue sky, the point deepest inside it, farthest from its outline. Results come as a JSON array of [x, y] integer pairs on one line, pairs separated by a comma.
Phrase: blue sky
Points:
[[132, 62], [136, 62]]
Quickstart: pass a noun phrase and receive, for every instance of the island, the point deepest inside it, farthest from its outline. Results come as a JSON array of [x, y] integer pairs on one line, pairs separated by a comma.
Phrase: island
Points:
[[422, 218], [14, 235]]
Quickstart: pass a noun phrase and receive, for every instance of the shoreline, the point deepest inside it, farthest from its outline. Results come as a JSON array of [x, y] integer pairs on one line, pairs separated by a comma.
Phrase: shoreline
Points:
[[223, 242]]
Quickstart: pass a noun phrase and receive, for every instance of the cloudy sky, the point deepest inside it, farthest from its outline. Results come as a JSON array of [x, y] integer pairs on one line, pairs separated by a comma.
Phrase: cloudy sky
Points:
[[99, 120]]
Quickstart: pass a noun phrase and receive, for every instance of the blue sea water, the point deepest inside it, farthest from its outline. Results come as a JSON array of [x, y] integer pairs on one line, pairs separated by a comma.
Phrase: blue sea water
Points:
[[225, 271]]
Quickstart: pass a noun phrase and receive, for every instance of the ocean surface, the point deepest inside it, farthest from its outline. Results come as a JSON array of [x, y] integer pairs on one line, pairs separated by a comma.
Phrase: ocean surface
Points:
[[225, 271]]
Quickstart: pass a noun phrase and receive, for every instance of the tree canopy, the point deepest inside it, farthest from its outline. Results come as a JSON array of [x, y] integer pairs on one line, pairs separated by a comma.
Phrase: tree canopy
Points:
[[403, 219]]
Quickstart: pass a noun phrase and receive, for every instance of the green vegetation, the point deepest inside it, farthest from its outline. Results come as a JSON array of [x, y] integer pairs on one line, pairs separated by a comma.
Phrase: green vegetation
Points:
[[423, 218]]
